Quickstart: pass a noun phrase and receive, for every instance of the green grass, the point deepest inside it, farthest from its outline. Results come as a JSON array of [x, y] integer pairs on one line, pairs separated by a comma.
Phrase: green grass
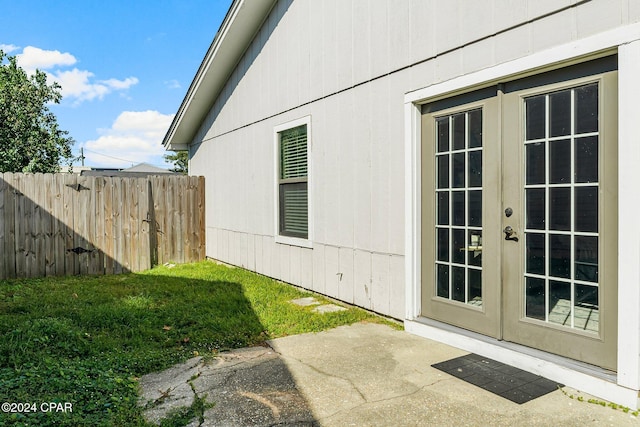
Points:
[[87, 340]]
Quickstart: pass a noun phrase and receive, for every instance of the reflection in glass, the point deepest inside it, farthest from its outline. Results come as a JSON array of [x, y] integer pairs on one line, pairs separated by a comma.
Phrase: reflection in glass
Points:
[[442, 244], [475, 128], [442, 281], [475, 168], [560, 255], [443, 171], [475, 287], [586, 307], [561, 214], [535, 163], [535, 117], [443, 134], [586, 114], [586, 166], [560, 113], [458, 131], [560, 162], [457, 284], [458, 246], [535, 208], [560, 302], [534, 298], [443, 208], [458, 170], [535, 253], [458, 208], [560, 208], [586, 258], [474, 248], [586, 206], [475, 208]]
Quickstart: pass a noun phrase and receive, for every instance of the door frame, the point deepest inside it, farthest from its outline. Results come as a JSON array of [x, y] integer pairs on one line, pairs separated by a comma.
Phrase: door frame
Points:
[[623, 385]]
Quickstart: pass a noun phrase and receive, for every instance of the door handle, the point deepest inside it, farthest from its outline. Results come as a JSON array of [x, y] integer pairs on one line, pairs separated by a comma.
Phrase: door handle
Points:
[[509, 233]]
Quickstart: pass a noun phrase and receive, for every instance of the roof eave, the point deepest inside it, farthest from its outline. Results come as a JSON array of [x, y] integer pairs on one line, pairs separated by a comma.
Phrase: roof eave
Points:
[[239, 27]]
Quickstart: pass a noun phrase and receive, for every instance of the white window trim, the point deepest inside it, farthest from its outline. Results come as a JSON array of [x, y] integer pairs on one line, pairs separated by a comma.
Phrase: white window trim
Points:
[[287, 240], [626, 41]]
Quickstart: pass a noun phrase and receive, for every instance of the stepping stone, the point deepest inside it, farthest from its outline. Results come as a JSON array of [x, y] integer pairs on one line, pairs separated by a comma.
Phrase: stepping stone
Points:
[[328, 308], [305, 302]]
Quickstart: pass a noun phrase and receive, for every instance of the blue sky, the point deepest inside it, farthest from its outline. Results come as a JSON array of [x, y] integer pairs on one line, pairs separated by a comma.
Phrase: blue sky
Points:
[[124, 66]]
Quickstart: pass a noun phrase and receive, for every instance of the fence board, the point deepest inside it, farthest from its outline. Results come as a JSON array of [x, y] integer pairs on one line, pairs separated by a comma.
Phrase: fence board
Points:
[[160, 210], [109, 235], [9, 255], [3, 241], [97, 264], [202, 230], [64, 224], [21, 221], [144, 250], [170, 223], [57, 225], [49, 191], [40, 228], [118, 238]]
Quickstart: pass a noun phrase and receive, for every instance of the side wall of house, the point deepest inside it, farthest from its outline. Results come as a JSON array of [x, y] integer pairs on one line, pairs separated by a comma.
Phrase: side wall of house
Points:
[[348, 64]]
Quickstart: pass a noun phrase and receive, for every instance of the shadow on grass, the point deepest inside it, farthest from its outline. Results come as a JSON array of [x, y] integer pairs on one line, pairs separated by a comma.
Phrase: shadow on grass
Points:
[[87, 340]]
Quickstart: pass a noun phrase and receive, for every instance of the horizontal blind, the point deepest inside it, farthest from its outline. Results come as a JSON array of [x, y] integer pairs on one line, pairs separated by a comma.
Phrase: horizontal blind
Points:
[[295, 209], [293, 153]]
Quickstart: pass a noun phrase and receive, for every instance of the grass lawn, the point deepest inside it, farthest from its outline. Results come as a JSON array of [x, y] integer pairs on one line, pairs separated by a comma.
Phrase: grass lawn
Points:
[[86, 340]]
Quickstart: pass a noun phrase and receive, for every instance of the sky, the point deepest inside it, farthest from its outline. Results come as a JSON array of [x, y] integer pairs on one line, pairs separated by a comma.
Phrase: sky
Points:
[[124, 67]]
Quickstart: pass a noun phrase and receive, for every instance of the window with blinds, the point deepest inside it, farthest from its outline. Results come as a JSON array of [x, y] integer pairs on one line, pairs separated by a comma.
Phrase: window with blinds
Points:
[[293, 194]]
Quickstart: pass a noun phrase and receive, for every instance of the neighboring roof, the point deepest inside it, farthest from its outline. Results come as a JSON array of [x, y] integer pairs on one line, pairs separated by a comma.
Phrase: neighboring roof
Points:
[[243, 20], [140, 170], [146, 167]]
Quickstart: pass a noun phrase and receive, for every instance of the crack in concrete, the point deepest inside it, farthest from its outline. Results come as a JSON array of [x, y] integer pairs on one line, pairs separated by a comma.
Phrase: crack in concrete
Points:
[[323, 373], [388, 399]]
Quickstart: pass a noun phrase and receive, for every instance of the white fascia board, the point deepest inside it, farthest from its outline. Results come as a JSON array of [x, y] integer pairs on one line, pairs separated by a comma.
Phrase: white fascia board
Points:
[[240, 25]]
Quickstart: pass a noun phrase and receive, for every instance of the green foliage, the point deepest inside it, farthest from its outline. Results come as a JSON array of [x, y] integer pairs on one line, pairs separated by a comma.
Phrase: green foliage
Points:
[[180, 160], [87, 340], [611, 405], [30, 138]]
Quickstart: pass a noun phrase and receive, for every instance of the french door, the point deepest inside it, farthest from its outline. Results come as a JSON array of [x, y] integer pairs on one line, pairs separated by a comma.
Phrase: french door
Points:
[[519, 212]]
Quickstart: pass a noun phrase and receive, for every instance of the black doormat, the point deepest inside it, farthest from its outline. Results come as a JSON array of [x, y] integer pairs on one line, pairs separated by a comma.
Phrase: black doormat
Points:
[[506, 381]]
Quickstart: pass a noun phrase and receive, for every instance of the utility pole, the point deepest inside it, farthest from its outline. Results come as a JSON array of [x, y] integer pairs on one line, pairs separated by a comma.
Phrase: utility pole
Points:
[[82, 155]]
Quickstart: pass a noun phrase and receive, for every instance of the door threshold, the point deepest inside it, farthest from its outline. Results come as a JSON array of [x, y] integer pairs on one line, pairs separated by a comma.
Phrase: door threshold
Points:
[[581, 376]]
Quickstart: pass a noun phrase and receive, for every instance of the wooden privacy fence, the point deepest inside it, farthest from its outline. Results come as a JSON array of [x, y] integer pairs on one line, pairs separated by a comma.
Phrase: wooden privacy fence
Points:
[[66, 224]]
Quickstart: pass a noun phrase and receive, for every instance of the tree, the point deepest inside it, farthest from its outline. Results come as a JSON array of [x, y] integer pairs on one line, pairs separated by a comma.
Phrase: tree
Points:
[[180, 160], [30, 138]]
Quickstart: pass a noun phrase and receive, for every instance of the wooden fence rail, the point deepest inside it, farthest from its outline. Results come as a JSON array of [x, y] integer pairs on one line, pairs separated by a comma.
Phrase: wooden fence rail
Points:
[[66, 224]]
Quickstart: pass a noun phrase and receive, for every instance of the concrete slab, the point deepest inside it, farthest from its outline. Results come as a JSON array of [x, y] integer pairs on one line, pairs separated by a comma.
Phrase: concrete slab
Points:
[[304, 302], [361, 375], [328, 308]]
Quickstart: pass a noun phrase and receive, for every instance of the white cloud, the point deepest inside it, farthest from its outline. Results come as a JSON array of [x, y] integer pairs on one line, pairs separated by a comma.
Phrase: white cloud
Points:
[[134, 137], [173, 84], [33, 58], [120, 84], [8, 48], [77, 85]]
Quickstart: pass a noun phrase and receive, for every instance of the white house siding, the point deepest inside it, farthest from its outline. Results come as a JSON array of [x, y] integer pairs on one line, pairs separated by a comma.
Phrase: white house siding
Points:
[[348, 64]]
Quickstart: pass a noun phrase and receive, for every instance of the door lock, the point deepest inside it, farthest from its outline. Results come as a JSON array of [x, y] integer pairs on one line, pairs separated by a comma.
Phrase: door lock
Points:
[[509, 233]]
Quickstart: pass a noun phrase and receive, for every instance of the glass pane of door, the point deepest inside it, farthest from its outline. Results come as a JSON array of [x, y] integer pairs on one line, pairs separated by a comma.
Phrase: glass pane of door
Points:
[[458, 198], [561, 216]]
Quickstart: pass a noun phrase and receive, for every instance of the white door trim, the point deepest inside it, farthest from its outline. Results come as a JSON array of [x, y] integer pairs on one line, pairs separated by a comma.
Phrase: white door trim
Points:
[[624, 40]]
